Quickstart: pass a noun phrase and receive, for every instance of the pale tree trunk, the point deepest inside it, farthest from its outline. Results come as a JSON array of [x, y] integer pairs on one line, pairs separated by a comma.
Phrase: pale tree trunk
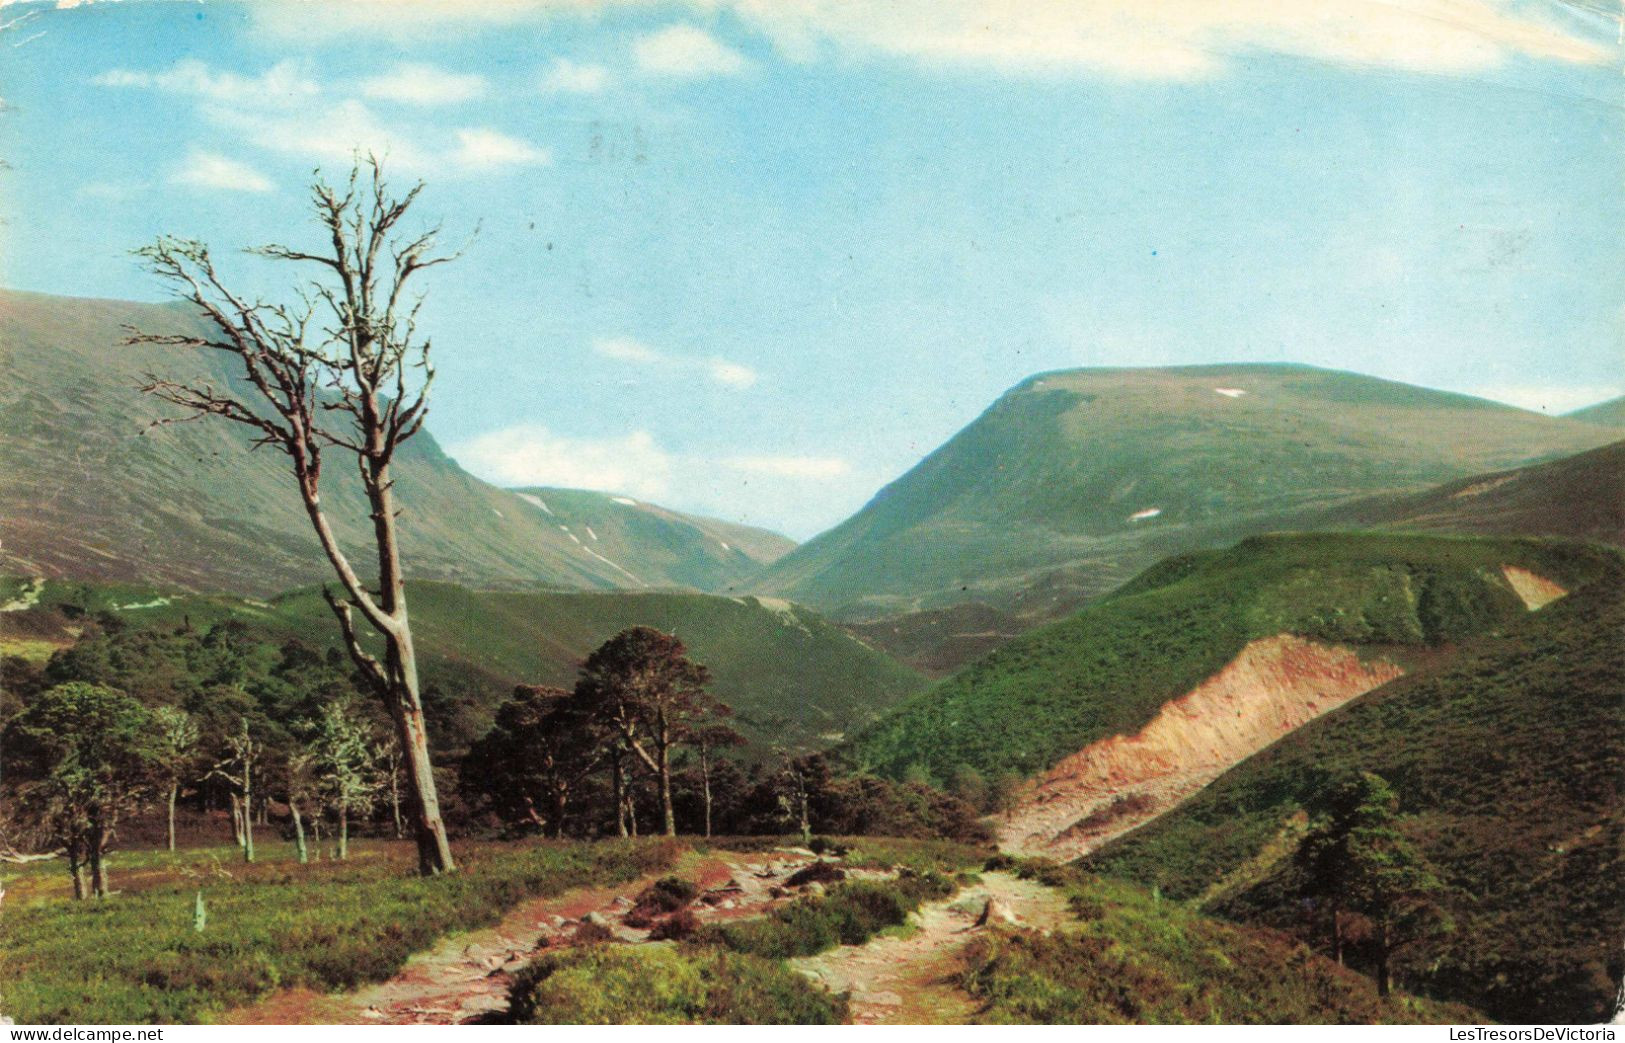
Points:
[[174, 791], [434, 849], [248, 814], [705, 787], [665, 791], [298, 832], [236, 819], [618, 782], [344, 832], [396, 678], [660, 765]]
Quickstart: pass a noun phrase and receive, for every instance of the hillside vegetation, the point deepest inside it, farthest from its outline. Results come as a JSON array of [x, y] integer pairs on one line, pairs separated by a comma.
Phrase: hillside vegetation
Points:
[[1108, 669], [1578, 497], [89, 489], [1074, 481], [1134, 959], [795, 680], [1510, 757]]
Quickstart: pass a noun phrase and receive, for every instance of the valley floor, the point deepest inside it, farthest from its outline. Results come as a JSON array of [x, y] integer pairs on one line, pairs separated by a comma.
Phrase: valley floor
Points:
[[465, 977]]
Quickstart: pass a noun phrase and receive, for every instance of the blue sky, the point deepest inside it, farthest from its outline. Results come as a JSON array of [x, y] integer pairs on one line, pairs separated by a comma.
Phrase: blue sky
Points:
[[754, 259]]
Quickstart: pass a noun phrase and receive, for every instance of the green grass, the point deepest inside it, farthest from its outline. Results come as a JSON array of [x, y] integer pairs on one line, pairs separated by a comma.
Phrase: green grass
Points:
[[1510, 758], [666, 984], [1109, 668], [135, 958], [1135, 959]]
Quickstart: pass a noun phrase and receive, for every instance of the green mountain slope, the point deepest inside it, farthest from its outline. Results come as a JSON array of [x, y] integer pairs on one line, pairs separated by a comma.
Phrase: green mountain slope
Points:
[[1577, 497], [1511, 757], [1108, 669], [795, 680], [1073, 481], [1610, 413], [89, 489]]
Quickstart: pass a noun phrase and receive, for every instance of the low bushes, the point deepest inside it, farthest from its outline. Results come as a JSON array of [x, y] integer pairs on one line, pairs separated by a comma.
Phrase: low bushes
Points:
[[667, 985], [848, 914], [1137, 959]]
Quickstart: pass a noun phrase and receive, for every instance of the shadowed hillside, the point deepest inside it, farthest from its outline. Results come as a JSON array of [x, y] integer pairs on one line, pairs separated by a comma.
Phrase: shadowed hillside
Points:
[[795, 680], [89, 489], [1073, 481]]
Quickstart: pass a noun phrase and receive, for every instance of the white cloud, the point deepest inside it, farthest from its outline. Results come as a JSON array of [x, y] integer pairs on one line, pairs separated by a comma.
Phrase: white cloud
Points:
[[730, 374], [625, 349], [211, 170], [1549, 399], [282, 84], [415, 83], [567, 77], [1149, 39], [530, 454], [1169, 39], [788, 492], [686, 51], [331, 133], [336, 132], [479, 148], [720, 371], [810, 467]]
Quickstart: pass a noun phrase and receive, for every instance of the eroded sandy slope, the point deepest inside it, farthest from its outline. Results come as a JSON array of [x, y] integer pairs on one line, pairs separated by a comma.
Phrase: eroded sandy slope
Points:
[[1536, 591], [1275, 684]]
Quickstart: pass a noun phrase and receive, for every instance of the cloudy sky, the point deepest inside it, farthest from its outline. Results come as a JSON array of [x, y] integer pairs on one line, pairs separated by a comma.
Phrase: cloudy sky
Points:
[[755, 257]]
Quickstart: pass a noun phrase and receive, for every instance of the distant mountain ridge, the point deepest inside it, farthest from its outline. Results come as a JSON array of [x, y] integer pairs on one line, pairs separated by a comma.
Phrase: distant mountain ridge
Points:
[[1610, 413], [703, 553], [89, 489], [1073, 481]]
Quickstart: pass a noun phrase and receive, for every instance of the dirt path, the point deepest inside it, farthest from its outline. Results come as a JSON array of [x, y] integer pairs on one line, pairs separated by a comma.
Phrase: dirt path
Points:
[[466, 976], [907, 978]]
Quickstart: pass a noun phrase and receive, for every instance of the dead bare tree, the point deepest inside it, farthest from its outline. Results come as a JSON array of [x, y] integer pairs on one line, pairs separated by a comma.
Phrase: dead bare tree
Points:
[[342, 370]]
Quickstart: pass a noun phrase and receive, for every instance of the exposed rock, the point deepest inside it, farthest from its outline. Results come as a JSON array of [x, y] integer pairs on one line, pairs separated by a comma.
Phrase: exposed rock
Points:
[[995, 912]]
